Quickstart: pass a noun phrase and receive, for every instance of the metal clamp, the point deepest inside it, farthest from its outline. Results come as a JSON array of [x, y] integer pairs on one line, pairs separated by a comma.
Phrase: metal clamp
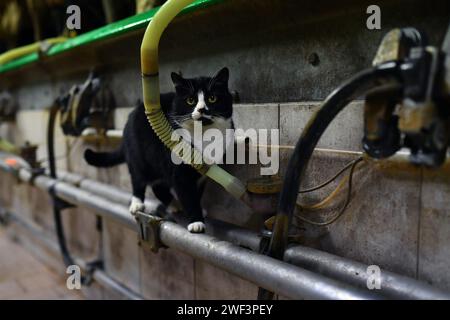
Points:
[[58, 203], [90, 269], [149, 227]]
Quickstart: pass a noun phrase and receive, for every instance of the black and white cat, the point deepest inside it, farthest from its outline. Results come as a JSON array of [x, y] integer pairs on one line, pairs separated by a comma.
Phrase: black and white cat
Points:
[[203, 99]]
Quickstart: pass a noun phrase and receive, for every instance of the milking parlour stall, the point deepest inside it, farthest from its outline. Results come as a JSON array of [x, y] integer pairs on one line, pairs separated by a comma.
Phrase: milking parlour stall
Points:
[[224, 158]]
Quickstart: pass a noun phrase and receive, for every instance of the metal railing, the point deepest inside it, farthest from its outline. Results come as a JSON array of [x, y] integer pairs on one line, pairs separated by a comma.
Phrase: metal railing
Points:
[[339, 278]]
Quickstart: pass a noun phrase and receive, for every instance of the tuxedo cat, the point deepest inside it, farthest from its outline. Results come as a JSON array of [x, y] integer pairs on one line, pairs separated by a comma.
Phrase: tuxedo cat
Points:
[[203, 99]]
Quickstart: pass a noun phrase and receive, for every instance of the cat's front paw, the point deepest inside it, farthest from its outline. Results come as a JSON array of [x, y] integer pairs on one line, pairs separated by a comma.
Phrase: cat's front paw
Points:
[[136, 205], [196, 227]]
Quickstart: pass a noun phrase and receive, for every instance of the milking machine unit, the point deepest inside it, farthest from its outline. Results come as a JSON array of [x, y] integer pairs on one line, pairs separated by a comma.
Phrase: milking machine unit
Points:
[[8, 106], [88, 105], [407, 105], [415, 113]]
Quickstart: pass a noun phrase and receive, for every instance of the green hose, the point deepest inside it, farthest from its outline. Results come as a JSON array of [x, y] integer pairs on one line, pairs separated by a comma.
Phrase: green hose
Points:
[[151, 93]]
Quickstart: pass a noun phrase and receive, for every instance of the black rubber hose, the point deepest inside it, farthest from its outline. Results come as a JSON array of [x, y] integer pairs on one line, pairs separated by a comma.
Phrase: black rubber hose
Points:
[[353, 88], [60, 234]]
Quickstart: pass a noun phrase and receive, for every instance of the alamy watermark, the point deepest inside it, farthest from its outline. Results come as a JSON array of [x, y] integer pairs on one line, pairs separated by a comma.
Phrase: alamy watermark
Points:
[[73, 21], [218, 147], [73, 281], [373, 277], [373, 22]]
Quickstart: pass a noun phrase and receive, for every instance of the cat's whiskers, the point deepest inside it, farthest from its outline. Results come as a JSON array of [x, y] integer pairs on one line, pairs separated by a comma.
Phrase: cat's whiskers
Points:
[[179, 119]]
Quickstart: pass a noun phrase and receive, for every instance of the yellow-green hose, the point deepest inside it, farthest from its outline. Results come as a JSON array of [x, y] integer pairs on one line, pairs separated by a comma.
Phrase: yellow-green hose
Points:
[[8, 147], [23, 51], [157, 119]]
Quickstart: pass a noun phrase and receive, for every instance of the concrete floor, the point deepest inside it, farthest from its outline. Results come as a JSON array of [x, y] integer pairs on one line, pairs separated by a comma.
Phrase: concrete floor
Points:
[[24, 277]]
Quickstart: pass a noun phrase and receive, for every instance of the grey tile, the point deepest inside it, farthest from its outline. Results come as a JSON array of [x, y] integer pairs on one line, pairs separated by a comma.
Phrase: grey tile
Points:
[[168, 274], [121, 254], [434, 252], [344, 133], [214, 283]]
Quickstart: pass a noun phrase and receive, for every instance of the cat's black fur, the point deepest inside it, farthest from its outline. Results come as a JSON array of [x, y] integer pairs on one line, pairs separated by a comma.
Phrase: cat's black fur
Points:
[[149, 161]]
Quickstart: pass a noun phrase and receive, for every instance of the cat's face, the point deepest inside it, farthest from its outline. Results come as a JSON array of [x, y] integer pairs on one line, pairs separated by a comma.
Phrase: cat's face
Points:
[[204, 99]]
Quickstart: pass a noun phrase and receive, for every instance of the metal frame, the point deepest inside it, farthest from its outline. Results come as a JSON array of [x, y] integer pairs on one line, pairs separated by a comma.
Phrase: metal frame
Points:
[[98, 275]]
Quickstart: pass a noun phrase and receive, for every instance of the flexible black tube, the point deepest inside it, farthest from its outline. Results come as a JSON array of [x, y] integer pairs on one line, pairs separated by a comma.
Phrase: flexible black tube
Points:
[[358, 85], [59, 228]]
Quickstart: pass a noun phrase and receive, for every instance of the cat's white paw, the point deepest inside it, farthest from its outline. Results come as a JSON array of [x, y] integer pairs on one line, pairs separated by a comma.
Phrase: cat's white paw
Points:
[[136, 205], [196, 227], [151, 206]]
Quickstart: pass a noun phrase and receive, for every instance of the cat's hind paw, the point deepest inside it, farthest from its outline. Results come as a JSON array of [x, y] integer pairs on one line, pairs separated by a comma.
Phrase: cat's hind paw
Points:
[[136, 205], [196, 227]]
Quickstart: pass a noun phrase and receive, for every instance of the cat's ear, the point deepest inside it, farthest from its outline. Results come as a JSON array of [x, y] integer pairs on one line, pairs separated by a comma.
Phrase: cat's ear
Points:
[[177, 79], [220, 78], [180, 83]]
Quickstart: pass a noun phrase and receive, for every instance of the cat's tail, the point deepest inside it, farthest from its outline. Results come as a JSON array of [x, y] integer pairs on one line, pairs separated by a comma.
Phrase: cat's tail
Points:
[[105, 159]]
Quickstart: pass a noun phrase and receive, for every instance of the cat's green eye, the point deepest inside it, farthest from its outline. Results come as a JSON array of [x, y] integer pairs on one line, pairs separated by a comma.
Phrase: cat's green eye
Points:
[[190, 101], [212, 99]]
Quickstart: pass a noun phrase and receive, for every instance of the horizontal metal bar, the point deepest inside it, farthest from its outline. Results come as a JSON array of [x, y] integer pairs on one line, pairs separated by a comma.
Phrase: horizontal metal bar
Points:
[[271, 274], [83, 198], [346, 270], [349, 271], [106, 208], [223, 230], [106, 281], [98, 275], [352, 272], [263, 271]]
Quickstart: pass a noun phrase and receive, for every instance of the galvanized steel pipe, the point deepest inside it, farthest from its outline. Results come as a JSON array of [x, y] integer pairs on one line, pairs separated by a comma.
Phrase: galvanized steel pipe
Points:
[[392, 285], [98, 275], [269, 273], [349, 271], [342, 269], [263, 271]]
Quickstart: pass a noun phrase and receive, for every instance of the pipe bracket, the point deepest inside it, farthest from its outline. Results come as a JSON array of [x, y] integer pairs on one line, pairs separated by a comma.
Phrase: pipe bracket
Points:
[[59, 203], [149, 227]]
